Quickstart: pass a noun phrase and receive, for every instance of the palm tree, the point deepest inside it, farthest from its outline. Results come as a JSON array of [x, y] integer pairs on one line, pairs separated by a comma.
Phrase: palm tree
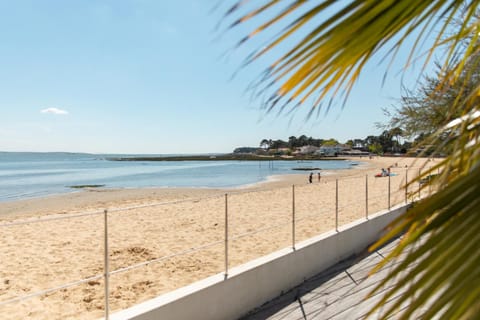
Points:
[[331, 46]]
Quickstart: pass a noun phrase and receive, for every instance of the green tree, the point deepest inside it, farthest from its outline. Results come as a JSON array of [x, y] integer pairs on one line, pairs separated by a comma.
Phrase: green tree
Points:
[[330, 142], [385, 140], [406, 147], [396, 133], [278, 144], [302, 140], [375, 148], [265, 143], [371, 140], [423, 112], [292, 142], [331, 46]]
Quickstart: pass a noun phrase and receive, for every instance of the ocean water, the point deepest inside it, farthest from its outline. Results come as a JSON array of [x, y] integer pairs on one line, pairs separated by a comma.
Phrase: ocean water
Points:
[[30, 174]]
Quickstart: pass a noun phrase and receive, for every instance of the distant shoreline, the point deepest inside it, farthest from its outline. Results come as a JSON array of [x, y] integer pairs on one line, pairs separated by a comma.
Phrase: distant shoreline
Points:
[[225, 157]]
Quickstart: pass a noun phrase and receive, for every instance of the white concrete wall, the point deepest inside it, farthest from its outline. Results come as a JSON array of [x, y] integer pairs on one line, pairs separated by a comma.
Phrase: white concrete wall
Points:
[[252, 284]]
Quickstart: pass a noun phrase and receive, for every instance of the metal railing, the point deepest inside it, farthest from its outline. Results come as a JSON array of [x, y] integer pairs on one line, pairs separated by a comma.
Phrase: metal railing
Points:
[[341, 207]]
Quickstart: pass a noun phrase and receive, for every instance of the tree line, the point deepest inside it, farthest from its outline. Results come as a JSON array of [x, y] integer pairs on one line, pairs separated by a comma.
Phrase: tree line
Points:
[[294, 142], [389, 141]]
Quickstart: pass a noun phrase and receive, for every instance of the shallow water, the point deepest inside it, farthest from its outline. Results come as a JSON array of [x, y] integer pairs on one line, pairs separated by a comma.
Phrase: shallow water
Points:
[[29, 174]]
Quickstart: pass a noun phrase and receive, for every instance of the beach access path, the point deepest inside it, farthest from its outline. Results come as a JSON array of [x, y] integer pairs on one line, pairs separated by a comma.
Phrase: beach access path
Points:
[[337, 293]]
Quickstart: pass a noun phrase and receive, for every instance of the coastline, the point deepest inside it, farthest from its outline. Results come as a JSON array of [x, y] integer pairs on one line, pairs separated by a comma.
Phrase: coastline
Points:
[[225, 157], [88, 199]]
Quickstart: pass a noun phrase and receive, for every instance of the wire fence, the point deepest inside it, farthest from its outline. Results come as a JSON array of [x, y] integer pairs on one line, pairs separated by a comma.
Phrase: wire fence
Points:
[[85, 265]]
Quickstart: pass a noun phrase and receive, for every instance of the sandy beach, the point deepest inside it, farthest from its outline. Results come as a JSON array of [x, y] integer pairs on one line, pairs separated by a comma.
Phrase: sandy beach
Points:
[[52, 241]]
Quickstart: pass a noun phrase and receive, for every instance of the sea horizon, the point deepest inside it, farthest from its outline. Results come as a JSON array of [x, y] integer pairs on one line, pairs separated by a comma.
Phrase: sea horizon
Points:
[[119, 153]]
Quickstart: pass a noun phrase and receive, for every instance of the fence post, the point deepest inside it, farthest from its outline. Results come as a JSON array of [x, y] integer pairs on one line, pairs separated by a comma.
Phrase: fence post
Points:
[[389, 192], [336, 204], [419, 175], [226, 236], [366, 196], [293, 217], [406, 186], [430, 182], [437, 184], [106, 265]]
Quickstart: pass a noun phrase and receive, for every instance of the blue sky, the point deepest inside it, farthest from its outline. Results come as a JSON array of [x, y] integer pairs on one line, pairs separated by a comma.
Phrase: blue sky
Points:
[[147, 76]]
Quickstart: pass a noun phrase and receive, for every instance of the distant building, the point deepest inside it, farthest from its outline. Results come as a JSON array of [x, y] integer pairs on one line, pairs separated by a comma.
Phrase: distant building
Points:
[[359, 144], [331, 151], [307, 150]]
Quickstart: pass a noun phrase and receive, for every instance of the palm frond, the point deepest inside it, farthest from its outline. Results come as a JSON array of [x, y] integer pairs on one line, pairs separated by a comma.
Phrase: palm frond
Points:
[[329, 58], [439, 276], [448, 257]]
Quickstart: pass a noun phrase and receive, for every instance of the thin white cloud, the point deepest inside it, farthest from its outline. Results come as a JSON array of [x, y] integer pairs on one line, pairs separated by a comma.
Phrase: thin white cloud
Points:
[[54, 111]]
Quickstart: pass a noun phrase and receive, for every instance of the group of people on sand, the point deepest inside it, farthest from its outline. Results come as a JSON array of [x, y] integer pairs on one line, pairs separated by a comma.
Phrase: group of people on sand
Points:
[[385, 173], [310, 177]]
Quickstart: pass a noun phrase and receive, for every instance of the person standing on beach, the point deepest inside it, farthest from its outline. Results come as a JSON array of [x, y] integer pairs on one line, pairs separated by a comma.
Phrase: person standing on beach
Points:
[[310, 177], [319, 176]]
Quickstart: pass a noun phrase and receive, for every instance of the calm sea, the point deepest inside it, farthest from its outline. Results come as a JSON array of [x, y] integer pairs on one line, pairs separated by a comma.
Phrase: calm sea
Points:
[[30, 174]]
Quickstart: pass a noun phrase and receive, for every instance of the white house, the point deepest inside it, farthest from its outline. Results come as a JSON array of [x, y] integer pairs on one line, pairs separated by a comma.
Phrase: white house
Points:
[[330, 151], [307, 150]]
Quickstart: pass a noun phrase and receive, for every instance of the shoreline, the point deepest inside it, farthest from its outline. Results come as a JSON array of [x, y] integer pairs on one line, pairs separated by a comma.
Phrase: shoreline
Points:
[[93, 184], [88, 199], [225, 157]]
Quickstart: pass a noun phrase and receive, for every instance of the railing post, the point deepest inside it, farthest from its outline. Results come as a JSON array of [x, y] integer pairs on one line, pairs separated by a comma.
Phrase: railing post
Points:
[[437, 185], [430, 182], [389, 192], [366, 196], [336, 204], [406, 186], [293, 217], [226, 236], [419, 175], [106, 265]]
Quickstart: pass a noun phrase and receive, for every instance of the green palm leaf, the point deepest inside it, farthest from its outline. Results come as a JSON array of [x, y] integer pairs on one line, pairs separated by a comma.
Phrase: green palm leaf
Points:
[[440, 275], [329, 59]]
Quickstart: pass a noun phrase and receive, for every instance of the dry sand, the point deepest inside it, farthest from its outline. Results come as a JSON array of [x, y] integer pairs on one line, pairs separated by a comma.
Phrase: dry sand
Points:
[[64, 239]]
